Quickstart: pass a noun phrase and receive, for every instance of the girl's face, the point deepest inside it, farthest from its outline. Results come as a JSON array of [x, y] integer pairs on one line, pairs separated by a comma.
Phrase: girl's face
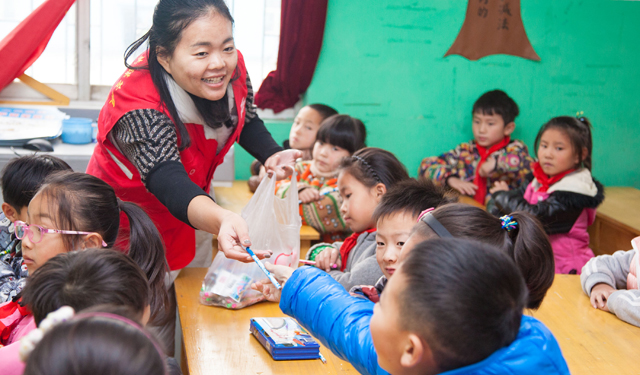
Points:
[[304, 129], [392, 233], [556, 153], [205, 58], [358, 202], [327, 157], [36, 254]]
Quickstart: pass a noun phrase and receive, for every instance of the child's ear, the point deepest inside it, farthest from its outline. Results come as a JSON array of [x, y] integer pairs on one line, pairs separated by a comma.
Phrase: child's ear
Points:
[[509, 128], [9, 211], [92, 241], [417, 353], [379, 190]]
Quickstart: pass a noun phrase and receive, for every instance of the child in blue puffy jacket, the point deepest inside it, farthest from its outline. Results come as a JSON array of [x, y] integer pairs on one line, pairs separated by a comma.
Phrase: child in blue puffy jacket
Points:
[[453, 307]]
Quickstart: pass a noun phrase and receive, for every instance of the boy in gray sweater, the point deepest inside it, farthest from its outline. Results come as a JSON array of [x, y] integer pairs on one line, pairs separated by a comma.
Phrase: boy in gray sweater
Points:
[[611, 282]]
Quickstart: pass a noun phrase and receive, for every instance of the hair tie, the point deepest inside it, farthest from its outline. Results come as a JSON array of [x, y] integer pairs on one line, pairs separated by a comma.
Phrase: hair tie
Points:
[[29, 342], [424, 213], [366, 164], [508, 223], [580, 117]]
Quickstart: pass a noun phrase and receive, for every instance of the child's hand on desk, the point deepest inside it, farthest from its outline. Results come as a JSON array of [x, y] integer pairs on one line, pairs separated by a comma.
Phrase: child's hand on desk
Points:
[[464, 187], [499, 186], [599, 295], [309, 195], [329, 259], [271, 293]]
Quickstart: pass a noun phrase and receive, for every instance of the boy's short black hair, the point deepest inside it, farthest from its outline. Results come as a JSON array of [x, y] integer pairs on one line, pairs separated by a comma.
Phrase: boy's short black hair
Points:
[[497, 102], [324, 110], [23, 176], [413, 196], [463, 297], [343, 131]]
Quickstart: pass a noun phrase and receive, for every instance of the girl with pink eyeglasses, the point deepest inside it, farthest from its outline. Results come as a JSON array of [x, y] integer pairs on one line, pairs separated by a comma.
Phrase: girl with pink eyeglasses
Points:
[[73, 212]]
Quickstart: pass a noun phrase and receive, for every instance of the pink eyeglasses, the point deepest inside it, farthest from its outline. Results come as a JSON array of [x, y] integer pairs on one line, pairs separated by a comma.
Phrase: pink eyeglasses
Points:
[[35, 232]]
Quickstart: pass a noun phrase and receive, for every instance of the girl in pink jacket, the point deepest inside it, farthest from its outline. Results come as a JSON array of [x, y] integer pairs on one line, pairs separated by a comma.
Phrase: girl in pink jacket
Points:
[[561, 193]]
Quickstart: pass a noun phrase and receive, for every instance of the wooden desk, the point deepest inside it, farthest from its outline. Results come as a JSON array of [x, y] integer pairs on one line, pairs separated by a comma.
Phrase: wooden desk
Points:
[[236, 197], [469, 200], [217, 341], [617, 220], [592, 341]]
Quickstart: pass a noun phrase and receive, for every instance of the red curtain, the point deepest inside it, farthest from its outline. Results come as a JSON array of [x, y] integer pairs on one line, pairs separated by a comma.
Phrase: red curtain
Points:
[[301, 31], [25, 43]]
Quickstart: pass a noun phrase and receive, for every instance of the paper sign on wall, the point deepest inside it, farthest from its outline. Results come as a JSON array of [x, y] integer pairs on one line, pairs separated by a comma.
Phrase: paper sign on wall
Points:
[[493, 27]]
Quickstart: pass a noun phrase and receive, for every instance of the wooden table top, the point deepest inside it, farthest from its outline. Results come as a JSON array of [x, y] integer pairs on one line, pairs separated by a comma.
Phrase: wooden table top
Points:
[[236, 197], [217, 340], [592, 341], [622, 204]]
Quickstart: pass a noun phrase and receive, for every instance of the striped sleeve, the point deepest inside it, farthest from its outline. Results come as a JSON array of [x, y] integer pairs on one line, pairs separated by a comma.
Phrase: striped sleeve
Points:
[[146, 137], [251, 107]]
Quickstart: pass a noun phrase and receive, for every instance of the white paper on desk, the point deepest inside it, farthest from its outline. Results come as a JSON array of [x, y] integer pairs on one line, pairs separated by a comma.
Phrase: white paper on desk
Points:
[[23, 123]]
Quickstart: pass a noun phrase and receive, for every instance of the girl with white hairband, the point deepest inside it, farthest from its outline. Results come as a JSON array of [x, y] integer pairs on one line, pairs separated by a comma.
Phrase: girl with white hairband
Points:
[[91, 343]]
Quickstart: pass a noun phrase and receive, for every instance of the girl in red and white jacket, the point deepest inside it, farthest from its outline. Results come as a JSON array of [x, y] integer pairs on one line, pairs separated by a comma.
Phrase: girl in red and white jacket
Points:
[[562, 192]]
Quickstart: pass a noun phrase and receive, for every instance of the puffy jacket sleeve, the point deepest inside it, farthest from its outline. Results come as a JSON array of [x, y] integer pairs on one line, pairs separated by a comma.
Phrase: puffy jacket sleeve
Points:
[[607, 269], [340, 321], [555, 214]]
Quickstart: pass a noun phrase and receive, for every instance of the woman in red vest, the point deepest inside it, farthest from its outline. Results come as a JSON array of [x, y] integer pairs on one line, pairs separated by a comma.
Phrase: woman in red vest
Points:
[[171, 118]]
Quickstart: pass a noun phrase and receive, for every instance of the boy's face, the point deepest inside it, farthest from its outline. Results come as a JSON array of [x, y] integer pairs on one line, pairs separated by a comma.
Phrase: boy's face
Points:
[[410, 243], [490, 129], [304, 129], [385, 327], [399, 351], [393, 231]]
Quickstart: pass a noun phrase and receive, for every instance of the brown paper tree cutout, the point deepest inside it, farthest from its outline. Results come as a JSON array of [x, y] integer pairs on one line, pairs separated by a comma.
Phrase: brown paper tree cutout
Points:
[[493, 27]]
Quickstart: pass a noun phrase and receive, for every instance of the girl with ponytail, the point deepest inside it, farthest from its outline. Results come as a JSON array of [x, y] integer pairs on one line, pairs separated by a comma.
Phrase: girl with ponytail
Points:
[[561, 193], [77, 211], [81, 203], [519, 235]]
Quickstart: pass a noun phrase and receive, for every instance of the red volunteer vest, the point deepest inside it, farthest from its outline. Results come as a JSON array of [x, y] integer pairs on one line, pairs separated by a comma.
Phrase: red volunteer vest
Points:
[[135, 90]]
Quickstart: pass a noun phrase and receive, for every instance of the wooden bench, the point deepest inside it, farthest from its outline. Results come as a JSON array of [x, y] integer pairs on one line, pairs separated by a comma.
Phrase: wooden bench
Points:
[[217, 341], [617, 220], [592, 341], [237, 196]]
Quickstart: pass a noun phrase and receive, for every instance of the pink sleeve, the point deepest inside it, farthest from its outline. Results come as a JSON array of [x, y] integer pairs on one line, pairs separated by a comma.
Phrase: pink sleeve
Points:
[[10, 359]]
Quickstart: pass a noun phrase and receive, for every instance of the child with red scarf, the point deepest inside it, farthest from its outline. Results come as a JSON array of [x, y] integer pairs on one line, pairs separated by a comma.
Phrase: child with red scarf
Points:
[[492, 156], [362, 181], [561, 193]]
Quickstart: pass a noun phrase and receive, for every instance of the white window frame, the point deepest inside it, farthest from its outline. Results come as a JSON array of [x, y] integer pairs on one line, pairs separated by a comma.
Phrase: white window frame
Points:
[[83, 95]]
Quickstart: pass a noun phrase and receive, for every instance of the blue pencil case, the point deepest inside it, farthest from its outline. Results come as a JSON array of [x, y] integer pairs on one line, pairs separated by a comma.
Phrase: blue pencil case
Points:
[[284, 339]]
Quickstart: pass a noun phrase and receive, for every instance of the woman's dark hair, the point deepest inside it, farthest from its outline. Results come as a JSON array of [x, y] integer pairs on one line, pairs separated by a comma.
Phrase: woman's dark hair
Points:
[[82, 279], [23, 176], [527, 244], [579, 132], [170, 18], [463, 297], [96, 343], [496, 102], [324, 110], [81, 202], [373, 165], [343, 131], [413, 196]]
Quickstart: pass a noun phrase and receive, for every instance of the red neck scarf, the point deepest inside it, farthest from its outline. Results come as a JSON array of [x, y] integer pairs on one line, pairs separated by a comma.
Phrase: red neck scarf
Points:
[[481, 182], [348, 245], [7, 310], [544, 180]]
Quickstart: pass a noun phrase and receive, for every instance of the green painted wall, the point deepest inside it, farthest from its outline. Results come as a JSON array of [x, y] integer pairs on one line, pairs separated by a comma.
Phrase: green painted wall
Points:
[[382, 61]]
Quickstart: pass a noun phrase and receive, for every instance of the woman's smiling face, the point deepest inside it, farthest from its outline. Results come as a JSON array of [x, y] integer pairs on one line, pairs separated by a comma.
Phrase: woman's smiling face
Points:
[[205, 57]]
